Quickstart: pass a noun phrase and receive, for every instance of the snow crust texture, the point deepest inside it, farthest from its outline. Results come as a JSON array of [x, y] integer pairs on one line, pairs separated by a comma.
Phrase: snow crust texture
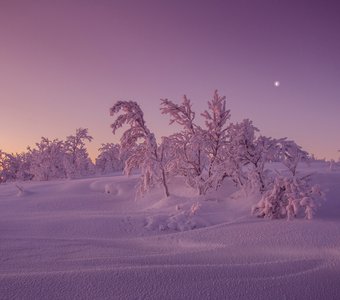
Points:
[[92, 239]]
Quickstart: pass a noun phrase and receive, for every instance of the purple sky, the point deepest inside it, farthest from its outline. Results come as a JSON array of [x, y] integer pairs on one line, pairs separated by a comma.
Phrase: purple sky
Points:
[[63, 64]]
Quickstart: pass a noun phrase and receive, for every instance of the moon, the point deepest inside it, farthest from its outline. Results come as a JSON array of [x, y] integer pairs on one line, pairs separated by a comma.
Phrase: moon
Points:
[[277, 83]]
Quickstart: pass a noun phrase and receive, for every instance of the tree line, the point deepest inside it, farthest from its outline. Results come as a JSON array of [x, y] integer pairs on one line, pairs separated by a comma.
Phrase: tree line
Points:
[[58, 159]]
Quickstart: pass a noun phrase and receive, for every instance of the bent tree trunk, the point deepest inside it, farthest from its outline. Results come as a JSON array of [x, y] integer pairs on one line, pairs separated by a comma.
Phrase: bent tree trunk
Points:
[[165, 184]]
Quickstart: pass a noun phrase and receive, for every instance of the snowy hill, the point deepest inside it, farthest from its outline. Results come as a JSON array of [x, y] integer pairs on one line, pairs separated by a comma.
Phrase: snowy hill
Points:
[[92, 239]]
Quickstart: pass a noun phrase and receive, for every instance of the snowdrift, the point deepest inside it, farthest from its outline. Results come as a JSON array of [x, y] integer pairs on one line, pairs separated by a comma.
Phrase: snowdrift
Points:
[[92, 239]]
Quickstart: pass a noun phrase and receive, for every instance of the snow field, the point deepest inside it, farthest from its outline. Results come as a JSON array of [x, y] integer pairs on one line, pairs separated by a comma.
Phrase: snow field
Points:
[[72, 239]]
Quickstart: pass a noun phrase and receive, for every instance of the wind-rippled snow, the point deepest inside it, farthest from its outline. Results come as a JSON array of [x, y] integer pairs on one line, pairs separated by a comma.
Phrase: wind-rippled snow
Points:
[[91, 239]]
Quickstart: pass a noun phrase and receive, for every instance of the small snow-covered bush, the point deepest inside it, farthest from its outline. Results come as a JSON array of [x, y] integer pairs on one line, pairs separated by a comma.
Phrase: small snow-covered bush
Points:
[[289, 197], [182, 220]]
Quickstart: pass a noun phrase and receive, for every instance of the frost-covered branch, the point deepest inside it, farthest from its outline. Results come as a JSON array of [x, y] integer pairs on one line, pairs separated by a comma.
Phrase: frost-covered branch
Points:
[[180, 113]]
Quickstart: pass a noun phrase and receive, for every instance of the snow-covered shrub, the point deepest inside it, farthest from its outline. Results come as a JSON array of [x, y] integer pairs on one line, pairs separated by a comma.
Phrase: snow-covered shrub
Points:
[[182, 220], [289, 197]]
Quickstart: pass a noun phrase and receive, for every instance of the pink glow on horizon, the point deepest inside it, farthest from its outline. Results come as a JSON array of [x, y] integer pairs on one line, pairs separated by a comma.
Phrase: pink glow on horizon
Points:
[[64, 64]]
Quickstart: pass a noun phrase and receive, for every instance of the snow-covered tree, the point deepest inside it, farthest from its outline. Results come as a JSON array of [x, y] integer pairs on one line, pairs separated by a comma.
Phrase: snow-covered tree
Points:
[[139, 146], [47, 159], [247, 155], [215, 137], [5, 173], [199, 152], [189, 156], [14, 167], [265, 151], [8, 167], [109, 159], [77, 161], [241, 151], [291, 155]]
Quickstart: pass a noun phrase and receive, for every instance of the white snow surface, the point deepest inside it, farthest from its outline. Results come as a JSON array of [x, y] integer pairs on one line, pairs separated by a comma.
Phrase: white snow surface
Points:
[[91, 239]]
